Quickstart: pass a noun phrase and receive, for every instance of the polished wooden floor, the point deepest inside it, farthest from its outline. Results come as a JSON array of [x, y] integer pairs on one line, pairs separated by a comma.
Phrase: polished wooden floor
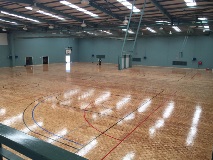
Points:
[[99, 112]]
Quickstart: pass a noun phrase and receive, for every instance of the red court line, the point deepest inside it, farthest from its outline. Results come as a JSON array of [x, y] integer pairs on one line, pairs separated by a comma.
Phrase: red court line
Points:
[[96, 128], [137, 127]]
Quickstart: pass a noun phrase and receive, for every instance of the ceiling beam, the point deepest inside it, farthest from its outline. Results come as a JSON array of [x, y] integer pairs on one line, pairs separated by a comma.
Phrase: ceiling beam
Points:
[[161, 9], [19, 1], [63, 14], [102, 9], [35, 18]]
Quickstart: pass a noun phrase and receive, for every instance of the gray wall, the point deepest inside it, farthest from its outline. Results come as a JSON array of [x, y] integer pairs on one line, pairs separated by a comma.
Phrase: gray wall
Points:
[[160, 51], [37, 47]]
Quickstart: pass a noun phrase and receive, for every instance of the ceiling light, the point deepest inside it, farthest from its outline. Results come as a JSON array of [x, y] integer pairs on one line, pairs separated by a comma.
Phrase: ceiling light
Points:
[[8, 21], [202, 18], [107, 32], [161, 28], [84, 2], [25, 28], [190, 3], [204, 30], [125, 22], [22, 17], [83, 24], [129, 5], [206, 27], [79, 9], [170, 32], [51, 26], [4, 29], [46, 13], [176, 28], [34, 8], [129, 31], [151, 30], [162, 22]]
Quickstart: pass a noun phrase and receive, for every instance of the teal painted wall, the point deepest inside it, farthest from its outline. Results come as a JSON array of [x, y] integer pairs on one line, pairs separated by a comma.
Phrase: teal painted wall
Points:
[[4, 53], [160, 51], [28, 45]]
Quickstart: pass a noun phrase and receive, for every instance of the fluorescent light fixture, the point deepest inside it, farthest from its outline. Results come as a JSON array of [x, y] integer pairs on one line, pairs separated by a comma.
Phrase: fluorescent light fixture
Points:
[[8, 21], [151, 30], [128, 5], [190, 3], [107, 32], [79, 9], [176, 28], [129, 31], [46, 13], [206, 27], [162, 22], [22, 17], [202, 18]]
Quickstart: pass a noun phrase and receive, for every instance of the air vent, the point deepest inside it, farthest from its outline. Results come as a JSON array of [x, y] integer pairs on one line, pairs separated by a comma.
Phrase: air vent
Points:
[[180, 63]]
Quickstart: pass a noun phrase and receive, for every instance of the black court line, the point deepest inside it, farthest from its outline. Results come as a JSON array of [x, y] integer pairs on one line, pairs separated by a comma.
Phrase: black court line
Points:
[[120, 120]]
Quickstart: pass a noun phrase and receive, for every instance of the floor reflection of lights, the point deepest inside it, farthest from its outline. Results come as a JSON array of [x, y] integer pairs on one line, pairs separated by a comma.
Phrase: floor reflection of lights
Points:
[[86, 149], [160, 122], [12, 120], [127, 118], [102, 98], [58, 135], [193, 130], [70, 93], [86, 94], [32, 127], [2, 111], [144, 105], [129, 156], [120, 104]]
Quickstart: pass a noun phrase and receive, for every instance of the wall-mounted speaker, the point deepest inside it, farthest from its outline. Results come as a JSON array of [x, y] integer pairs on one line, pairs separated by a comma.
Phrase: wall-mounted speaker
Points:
[[194, 59]]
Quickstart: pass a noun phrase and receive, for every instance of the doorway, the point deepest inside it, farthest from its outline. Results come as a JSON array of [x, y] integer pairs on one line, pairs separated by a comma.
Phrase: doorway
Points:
[[46, 60], [29, 61]]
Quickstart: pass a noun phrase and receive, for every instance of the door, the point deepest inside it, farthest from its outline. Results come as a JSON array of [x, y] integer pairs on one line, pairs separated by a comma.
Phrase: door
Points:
[[29, 60], [46, 60]]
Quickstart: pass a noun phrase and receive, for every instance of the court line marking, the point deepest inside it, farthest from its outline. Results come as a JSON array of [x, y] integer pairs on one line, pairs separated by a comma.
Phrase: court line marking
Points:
[[123, 117], [40, 133], [61, 137], [96, 128], [143, 120], [137, 127]]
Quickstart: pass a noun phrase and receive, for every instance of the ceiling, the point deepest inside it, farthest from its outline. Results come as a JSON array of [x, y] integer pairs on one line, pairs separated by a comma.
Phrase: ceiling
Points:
[[111, 15]]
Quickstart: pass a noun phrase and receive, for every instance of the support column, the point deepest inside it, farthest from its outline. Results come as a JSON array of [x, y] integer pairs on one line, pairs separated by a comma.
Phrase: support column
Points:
[[11, 48]]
